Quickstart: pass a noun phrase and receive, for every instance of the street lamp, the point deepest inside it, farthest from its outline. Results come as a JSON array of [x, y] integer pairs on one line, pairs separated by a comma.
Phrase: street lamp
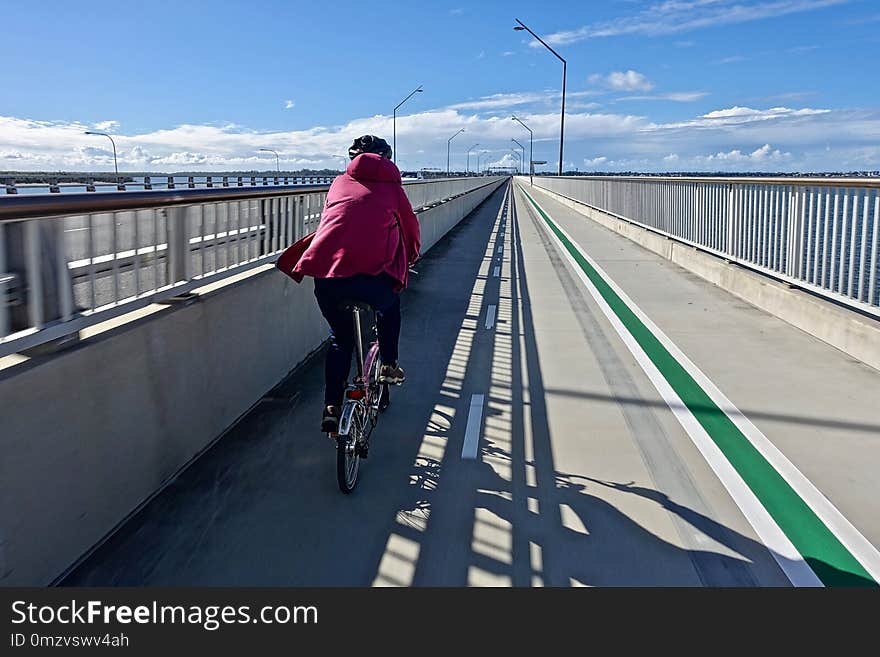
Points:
[[448, 143], [104, 134], [479, 156], [522, 26], [277, 165], [523, 159], [345, 159], [531, 153], [394, 146], [468, 170], [518, 157]]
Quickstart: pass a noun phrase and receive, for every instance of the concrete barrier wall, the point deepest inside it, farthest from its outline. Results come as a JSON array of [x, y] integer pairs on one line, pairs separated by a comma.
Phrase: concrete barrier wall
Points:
[[847, 330], [87, 435]]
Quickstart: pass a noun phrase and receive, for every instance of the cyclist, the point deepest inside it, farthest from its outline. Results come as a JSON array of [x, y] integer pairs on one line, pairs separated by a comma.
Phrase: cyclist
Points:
[[367, 239]]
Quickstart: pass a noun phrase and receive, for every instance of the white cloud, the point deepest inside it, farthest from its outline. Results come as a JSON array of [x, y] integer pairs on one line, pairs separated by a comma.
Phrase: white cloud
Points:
[[507, 160], [791, 95], [107, 126], [482, 54], [507, 53], [761, 155], [139, 153], [623, 81], [749, 138], [736, 115], [516, 99], [676, 96], [595, 162], [676, 16], [289, 104], [733, 59], [498, 101]]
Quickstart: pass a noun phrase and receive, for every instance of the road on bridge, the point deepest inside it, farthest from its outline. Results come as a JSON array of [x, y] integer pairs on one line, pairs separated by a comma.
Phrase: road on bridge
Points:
[[547, 435]]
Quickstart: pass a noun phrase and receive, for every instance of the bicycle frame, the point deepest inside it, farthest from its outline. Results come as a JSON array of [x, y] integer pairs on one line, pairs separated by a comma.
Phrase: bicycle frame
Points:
[[359, 390]]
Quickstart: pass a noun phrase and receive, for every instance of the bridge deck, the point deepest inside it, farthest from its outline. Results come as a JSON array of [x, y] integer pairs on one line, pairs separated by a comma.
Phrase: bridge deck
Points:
[[582, 475]]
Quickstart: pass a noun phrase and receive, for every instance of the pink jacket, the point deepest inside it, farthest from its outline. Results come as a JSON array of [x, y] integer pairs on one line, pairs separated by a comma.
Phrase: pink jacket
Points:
[[368, 226]]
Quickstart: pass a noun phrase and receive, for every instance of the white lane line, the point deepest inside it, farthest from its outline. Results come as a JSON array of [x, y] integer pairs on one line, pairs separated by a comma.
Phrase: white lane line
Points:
[[497, 271], [490, 317], [472, 431]]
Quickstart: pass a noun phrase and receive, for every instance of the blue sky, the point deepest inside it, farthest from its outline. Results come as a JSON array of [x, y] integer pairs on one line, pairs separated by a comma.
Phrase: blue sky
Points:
[[654, 85]]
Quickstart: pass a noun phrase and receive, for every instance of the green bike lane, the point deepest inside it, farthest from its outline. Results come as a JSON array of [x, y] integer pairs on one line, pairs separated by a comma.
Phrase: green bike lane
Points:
[[797, 442]]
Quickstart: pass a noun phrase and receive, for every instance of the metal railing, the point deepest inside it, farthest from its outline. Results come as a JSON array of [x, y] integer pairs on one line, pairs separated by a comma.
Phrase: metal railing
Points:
[[818, 234], [67, 262], [123, 183]]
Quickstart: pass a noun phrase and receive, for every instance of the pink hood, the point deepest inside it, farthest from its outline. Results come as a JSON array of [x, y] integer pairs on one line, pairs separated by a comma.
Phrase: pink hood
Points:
[[367, 226]]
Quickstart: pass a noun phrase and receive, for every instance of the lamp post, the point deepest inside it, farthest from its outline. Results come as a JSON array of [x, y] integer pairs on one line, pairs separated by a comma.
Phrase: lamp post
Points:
[[104, 134], [394, 139], [522, 26], [523, 159], [277, 165], [531, 153], [518, 157], [448, 144], [344, 158], [479, 156], [468, 170]]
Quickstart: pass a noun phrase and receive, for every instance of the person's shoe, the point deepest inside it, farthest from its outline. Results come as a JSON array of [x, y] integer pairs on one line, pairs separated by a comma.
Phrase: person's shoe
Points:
[[391, 374], [330, 421]]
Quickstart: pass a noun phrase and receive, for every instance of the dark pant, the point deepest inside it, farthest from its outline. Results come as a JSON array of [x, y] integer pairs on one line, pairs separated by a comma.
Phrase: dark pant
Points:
[[378, 292]]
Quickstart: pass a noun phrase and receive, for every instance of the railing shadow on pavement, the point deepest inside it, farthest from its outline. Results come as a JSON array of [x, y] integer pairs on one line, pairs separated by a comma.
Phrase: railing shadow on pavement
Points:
[[261, 506]]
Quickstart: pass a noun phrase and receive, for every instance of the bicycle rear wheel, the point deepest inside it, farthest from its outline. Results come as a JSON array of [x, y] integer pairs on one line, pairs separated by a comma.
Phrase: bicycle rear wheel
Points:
[[347, 464], [348, 455]]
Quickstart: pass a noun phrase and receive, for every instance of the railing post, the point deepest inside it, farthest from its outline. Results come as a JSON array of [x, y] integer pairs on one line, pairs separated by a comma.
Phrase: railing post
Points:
[[177, 255], [732, 242], [34, 262], [147, 183], [170, 182]]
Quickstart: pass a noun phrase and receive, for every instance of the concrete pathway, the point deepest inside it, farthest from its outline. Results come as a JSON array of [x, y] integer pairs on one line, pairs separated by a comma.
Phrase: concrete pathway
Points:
[[528, 447]]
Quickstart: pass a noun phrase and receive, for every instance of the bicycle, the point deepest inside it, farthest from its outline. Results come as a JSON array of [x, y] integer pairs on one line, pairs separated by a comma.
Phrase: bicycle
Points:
[[364, 399]]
